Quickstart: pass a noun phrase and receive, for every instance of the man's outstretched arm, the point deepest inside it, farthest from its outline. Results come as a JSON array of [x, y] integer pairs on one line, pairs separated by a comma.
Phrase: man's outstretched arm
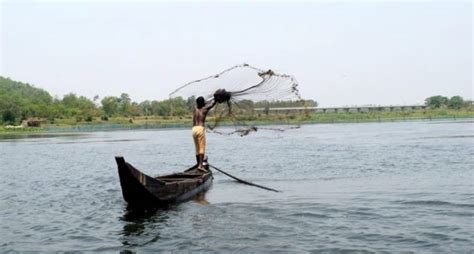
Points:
[[210, 105]]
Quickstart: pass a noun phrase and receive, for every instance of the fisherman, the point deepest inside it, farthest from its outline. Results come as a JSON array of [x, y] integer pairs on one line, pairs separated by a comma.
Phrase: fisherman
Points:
[[199, 122], [199, 131]]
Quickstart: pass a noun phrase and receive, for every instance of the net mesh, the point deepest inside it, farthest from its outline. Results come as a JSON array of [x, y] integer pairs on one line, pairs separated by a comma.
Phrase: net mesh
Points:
[[256, 97]]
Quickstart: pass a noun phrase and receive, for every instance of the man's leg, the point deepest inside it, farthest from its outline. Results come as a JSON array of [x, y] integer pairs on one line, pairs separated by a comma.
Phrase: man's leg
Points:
[[201, 160], [202, 148], [196, 144]]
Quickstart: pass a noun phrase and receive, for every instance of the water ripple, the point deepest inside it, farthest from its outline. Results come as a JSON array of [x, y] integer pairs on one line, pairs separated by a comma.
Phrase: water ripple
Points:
[[364, 188]]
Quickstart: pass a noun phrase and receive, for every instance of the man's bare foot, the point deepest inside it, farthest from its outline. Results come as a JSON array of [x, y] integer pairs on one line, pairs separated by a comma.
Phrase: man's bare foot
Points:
[[202, 169]]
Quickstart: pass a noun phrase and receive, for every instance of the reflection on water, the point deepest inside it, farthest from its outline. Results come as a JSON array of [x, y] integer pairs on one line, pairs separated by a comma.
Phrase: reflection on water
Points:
[[142, 226], [139, 222], [19, 136], [200, 198]]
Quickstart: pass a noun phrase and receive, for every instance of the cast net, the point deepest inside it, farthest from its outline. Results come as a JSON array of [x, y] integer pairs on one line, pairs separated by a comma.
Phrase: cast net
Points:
[[250, 99]]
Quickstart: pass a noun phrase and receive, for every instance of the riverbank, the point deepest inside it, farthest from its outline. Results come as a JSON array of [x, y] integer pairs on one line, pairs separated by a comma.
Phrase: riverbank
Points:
[[384, 116], [157, 122]]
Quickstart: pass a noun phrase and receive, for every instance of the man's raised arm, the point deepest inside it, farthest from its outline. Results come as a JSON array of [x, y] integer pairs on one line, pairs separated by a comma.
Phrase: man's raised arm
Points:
[[210, 105]]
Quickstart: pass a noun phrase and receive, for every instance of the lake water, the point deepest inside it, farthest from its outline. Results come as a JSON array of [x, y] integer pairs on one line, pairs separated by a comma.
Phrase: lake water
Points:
[[374, 187]]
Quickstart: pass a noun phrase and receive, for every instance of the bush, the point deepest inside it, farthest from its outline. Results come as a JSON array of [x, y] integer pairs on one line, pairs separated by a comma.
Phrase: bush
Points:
[[436, 101], [104, 118], [89, 119], [8, 117], [456, 102]]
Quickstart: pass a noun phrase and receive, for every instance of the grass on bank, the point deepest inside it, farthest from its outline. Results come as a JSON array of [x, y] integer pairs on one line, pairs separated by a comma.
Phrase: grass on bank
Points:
[[263, 119], [440, 113]]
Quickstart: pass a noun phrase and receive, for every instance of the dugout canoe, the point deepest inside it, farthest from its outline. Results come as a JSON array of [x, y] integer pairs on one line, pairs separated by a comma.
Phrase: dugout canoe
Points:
[[141, 190]]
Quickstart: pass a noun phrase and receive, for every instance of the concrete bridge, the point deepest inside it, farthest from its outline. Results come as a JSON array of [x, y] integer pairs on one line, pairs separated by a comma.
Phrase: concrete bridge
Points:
[[361, 109]]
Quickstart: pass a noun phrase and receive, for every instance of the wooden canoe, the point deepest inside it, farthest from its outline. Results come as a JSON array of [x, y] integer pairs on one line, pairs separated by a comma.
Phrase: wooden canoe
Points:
[[139, 189]]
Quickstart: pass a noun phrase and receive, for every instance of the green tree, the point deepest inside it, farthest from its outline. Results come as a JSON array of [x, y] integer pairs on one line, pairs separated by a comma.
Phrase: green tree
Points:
[[190, 103], [134, 109], [145, 108], [124, 102], [110, 105], [8, 117], [10, 109], [456, 102], [78, 106], [311, 103], [177, 106], [436, 101], [21, 100], [161, 108]]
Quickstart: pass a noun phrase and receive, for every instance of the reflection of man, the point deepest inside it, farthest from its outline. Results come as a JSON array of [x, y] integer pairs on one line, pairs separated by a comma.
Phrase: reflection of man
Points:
[[199, 131]]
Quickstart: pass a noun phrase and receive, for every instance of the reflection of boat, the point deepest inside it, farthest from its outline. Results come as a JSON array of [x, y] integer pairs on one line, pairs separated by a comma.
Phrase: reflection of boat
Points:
[[139, 189], [140, 224]]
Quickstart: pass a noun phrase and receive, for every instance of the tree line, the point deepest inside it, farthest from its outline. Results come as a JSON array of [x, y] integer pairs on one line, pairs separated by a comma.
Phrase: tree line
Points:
[[438, 101], [20, 101]]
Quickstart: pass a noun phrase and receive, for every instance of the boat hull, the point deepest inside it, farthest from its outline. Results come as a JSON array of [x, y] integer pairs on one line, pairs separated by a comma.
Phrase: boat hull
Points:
[[141, 190]]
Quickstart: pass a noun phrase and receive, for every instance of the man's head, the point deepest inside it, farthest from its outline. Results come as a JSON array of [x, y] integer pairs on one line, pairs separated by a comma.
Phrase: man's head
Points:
[[200, 102]]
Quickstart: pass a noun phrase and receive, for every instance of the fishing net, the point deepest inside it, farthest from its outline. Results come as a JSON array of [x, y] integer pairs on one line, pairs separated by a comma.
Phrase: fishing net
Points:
[[249, 99]]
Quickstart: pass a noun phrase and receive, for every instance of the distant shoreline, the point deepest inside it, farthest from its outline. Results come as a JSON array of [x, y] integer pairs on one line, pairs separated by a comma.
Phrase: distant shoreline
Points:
[[98, 127]]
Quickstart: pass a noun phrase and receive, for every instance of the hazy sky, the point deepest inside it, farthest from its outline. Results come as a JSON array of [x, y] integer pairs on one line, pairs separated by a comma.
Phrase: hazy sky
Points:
[[342, 53]]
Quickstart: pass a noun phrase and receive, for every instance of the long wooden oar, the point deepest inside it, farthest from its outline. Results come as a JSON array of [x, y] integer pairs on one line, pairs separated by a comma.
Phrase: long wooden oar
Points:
[[243, 181]]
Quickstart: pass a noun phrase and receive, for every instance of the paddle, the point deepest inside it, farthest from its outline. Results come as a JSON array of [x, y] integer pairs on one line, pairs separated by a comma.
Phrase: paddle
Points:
[[243, 181]]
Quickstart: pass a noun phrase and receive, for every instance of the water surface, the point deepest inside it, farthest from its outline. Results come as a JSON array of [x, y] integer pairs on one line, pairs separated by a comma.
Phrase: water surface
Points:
[[365, 187]]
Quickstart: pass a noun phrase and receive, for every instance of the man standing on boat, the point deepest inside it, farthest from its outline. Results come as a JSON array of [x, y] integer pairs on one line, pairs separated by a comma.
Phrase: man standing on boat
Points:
[[199, 122], [199, 131]]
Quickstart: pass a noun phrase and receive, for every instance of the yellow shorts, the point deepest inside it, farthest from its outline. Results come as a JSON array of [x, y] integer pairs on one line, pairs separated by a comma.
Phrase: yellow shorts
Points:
[[199, 136]]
